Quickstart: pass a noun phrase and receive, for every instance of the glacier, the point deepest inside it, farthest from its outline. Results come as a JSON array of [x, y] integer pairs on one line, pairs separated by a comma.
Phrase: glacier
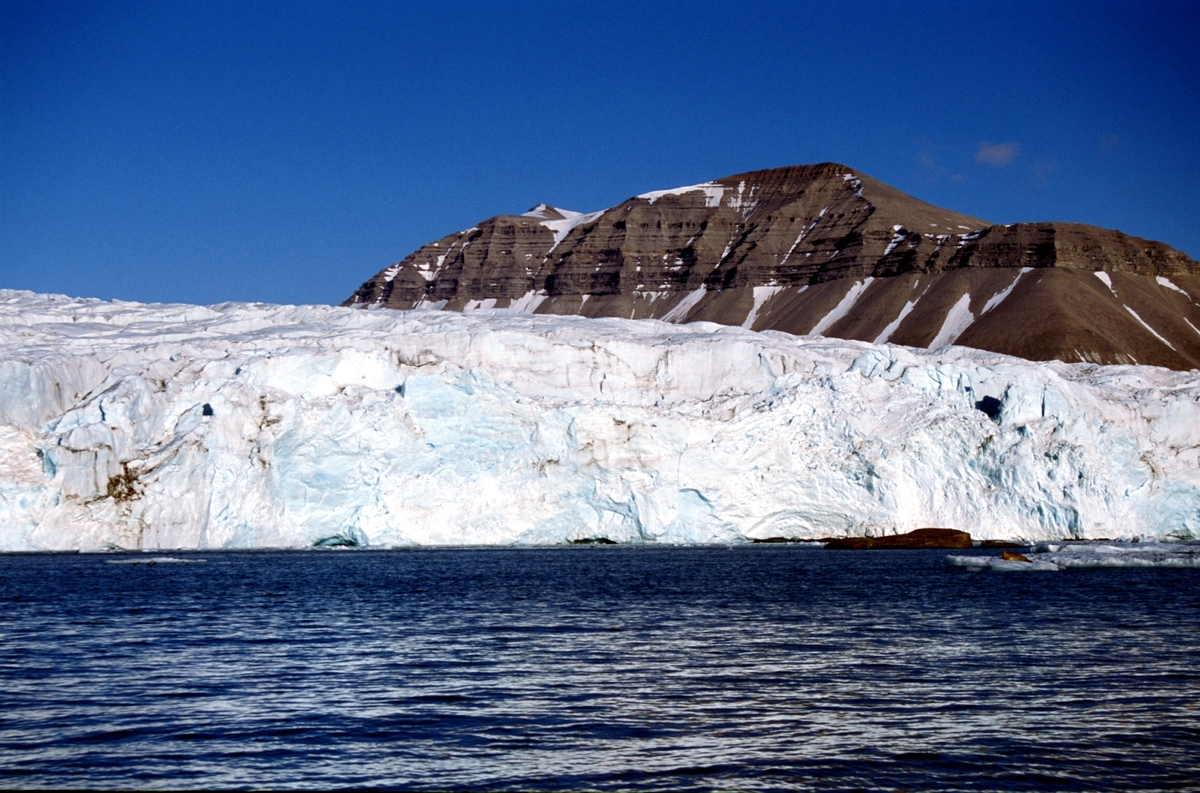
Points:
[[158, 427]]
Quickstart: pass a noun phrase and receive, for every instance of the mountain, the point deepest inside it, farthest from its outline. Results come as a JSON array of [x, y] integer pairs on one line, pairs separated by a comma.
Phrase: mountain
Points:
[[822, 249], [234, 426]]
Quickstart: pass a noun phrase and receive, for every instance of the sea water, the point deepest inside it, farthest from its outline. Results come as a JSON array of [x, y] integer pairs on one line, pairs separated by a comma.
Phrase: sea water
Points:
[[751, 667]]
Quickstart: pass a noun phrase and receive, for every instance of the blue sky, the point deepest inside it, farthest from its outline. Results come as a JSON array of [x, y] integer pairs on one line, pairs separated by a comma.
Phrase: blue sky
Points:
[[286, 151]]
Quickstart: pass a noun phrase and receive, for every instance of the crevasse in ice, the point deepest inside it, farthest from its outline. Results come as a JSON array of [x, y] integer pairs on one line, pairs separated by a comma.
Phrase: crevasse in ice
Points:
[[240, 425]]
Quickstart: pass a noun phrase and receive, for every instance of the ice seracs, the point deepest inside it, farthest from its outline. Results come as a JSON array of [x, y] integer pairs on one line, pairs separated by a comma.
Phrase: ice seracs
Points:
[[172, 427]]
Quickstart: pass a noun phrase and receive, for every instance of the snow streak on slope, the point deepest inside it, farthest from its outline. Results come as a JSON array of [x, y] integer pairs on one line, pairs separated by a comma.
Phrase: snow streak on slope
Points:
[[842, 308], [958, 319], [1000, 297], [1146, 325], [761, 295], [892, 326], [683, 307], [1162, 281], [168, 426]]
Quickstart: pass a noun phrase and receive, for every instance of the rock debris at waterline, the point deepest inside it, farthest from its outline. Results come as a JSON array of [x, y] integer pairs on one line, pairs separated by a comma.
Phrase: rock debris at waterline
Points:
[[177, 426]]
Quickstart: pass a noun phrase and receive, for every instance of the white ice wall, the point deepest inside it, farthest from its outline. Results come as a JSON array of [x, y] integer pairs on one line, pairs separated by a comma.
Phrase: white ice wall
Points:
[[396, 428]]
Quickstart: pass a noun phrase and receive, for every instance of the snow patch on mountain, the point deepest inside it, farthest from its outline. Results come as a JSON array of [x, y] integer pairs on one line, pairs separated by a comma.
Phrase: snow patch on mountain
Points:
[[898, 236], [712, 193], [842, 308], [894, 325], [958, 319], [237, 425], [571, 220], [1001, 296], [761, 295], [685, 305], [1146, 325], [1169, 284]]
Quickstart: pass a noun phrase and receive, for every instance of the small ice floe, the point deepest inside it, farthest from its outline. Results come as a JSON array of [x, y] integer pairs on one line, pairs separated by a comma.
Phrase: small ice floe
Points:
[[1001, 563], [156, 560], [1082, 554]]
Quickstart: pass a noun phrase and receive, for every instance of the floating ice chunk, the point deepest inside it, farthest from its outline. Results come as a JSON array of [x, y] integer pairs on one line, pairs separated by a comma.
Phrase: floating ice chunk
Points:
[[157, 560], [1090, 555], [1143, 554], [1004, 565]]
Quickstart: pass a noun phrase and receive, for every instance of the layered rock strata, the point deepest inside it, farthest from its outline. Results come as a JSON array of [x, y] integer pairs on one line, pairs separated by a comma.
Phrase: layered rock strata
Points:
[[823, 250]]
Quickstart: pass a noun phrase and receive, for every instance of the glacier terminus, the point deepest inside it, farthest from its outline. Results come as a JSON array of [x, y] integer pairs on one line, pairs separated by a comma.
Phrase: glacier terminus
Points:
[[126, 425]]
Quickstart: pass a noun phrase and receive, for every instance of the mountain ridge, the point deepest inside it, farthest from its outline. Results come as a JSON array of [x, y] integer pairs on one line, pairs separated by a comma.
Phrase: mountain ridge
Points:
[[821, 249]]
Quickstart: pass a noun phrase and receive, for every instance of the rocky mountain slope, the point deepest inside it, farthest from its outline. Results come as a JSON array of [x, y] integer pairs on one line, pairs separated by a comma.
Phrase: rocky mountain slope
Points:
[[822, 249]]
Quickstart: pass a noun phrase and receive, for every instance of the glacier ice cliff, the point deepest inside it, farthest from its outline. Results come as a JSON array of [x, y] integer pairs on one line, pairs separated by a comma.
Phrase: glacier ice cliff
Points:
[[246, 425]]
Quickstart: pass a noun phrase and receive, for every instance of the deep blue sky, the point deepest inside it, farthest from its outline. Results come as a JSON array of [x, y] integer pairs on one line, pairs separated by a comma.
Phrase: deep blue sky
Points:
[[286, 151]]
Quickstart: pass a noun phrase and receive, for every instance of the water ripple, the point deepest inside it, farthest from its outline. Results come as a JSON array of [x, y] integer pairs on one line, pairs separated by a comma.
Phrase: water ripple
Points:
[[761, 668]]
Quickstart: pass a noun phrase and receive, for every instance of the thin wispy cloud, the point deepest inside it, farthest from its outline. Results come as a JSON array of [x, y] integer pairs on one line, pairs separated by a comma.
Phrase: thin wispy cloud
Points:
[[931, 170], [1042, 170], [997, 155]]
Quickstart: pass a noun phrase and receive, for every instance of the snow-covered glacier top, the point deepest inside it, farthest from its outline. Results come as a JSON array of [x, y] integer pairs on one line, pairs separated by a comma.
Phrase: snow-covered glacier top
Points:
[[239, 425]]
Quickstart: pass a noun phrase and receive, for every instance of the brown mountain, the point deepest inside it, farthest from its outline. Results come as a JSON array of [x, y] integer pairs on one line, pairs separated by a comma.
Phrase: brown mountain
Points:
[[826, 250]]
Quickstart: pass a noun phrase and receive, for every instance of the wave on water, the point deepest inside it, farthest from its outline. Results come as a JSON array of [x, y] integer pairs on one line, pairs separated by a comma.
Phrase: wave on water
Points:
[[156, 560]]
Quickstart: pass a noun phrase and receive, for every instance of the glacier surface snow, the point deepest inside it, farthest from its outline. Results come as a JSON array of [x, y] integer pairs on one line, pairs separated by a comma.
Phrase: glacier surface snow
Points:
[[247, 425]]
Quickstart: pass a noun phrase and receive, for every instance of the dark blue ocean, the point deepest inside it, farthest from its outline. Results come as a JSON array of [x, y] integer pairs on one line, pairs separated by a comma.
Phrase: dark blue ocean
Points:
[[751, 668]]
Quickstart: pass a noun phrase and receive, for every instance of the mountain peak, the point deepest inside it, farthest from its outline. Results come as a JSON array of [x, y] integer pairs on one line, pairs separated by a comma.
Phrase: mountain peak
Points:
[[821, 249], [547, 212]]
